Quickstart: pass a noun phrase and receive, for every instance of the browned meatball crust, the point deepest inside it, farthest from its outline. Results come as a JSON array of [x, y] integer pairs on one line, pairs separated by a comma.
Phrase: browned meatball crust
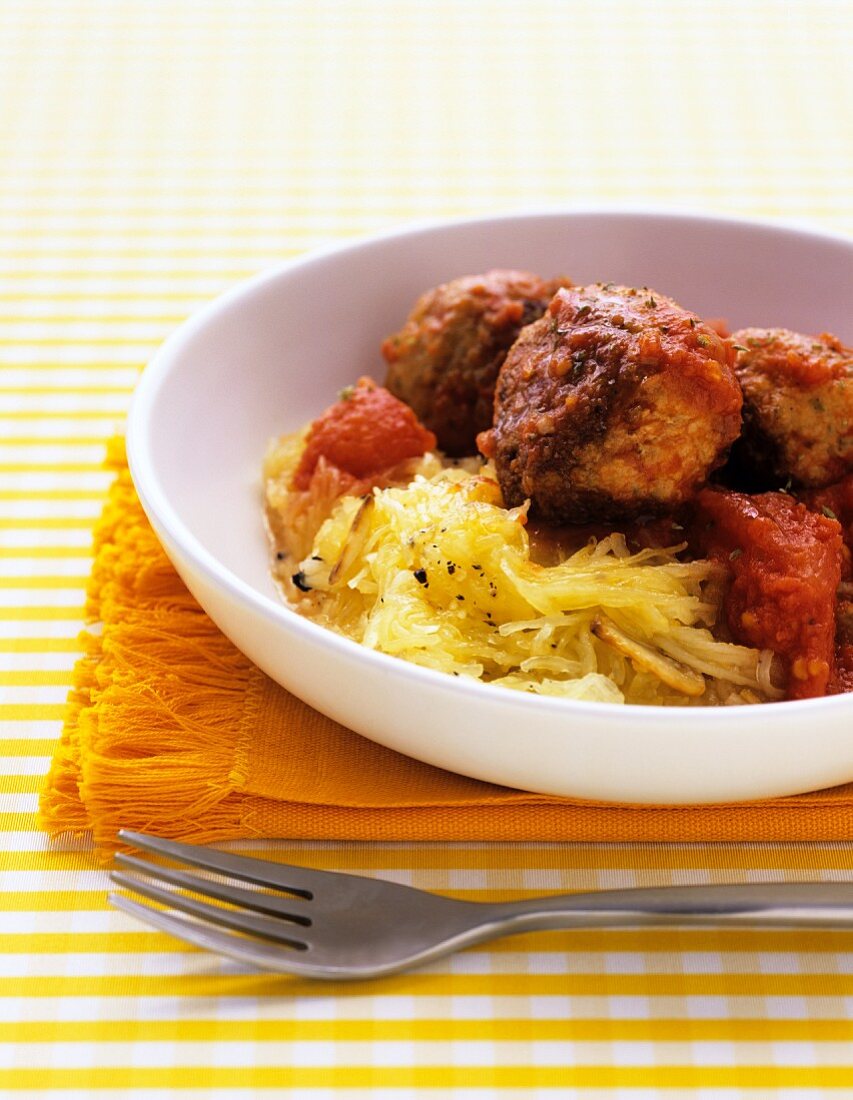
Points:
[[445, 359], [617, 403], [797, 408]]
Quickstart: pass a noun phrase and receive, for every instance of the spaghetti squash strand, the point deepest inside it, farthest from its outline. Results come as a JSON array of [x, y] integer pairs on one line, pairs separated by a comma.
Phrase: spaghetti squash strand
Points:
[[436, 571]]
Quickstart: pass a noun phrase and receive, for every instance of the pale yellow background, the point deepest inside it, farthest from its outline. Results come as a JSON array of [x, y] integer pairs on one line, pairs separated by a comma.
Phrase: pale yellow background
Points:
[[152, 153]]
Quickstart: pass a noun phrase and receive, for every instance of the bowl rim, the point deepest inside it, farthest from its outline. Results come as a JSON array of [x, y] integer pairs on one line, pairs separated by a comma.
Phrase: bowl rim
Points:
[[165, 517]]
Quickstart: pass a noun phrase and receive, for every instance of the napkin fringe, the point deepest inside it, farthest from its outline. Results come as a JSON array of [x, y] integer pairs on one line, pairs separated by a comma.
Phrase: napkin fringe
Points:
[[153, 725]]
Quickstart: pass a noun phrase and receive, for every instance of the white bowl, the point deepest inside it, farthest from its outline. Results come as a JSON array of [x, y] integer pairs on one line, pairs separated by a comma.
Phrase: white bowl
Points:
[[272, 353]]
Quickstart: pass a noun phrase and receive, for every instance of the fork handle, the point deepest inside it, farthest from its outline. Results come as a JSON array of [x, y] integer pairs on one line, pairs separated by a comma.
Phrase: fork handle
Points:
[[779, 903]]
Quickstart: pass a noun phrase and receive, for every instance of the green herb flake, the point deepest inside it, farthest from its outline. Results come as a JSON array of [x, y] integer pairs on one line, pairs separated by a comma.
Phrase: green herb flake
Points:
[[735, 554], [703, 341], [347, 393], [739, 347], [828, 512]]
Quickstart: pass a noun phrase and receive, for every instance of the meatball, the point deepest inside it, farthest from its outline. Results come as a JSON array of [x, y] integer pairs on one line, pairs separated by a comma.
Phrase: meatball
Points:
[[798, 408], [445, 359], [616, 404]]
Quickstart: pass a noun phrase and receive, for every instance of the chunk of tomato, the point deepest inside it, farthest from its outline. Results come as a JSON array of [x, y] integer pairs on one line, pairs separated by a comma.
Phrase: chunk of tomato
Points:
[[368, 430], [785, 567]]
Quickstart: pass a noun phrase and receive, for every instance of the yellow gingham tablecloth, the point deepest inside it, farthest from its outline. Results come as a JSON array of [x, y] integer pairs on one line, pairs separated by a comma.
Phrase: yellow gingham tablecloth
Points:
[[153, 153]]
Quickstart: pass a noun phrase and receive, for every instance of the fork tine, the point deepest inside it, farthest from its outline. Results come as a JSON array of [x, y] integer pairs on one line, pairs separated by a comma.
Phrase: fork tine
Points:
[[262, 872], [254, 952], [270, 928], [284, 908]]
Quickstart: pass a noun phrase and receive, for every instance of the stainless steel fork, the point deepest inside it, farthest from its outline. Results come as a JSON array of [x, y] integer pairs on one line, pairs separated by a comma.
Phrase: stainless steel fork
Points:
[[324, 924]]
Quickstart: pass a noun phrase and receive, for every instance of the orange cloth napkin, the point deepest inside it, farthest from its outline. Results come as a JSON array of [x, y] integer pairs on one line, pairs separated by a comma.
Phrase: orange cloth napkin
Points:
[[171, 730]]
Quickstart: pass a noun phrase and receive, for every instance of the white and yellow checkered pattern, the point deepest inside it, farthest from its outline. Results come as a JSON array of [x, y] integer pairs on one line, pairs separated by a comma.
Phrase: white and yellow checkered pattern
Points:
[[155, 151]]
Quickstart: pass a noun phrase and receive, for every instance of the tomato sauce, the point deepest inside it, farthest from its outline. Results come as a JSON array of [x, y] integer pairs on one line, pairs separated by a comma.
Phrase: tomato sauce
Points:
[[366, 431], [785, 566], [843, 680], [835, 502]]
